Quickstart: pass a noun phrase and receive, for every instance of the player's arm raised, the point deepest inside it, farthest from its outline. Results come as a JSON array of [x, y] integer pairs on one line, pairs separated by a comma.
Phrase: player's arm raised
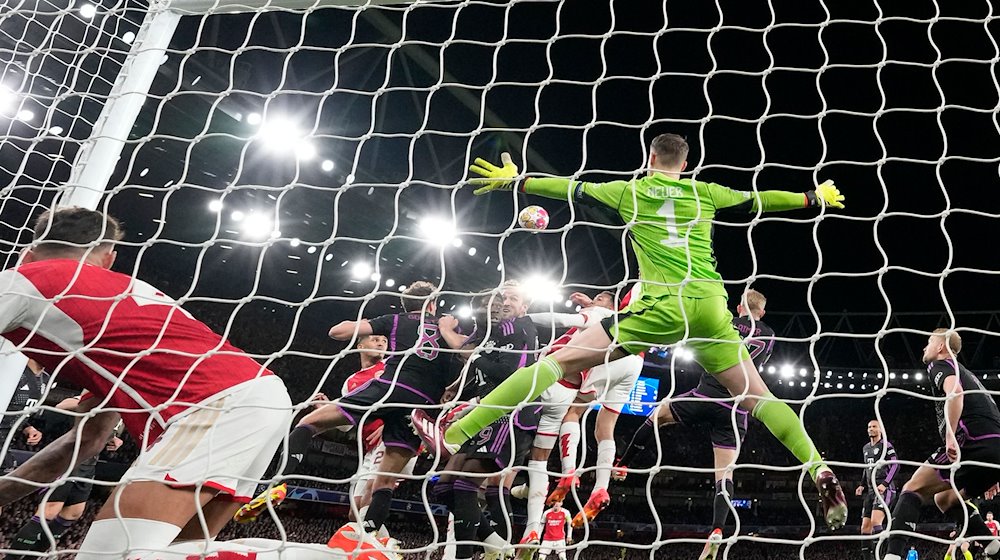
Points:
[[345, 330], [825, 194], [60, 457]]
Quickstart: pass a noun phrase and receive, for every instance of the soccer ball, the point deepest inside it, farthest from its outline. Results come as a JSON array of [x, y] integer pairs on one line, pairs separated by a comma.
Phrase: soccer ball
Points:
[[533, 217]]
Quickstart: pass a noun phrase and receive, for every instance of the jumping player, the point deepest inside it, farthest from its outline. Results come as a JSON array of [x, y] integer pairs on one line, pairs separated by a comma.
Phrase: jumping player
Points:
[[416, 374], [706, 407], [207, 417], [969, 423], [669, 220]]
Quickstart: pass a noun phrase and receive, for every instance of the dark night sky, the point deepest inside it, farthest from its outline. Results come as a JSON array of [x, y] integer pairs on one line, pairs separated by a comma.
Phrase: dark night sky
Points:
[[901, 113]]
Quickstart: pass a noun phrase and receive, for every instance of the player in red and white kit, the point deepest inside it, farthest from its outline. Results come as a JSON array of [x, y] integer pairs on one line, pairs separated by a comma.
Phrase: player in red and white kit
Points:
[[557, 532], [992, 525], [208, 418]]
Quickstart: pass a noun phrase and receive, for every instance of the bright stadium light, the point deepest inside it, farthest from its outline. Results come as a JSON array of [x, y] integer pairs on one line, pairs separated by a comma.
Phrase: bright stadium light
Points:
[[918, 376], [770, 369], [787, 371], [56, 130], [295, 242], [257, 226], [361, 270], [389, 282], [237, 216], [457, 242], [280, 134], [305, 151], [311, 249], [464, 312], [215, 206], [128, 37], [472, 251], [541, 289], [438, 231], [803, 372], [375, 277], [327, 165], [26, 115], [88, 11]]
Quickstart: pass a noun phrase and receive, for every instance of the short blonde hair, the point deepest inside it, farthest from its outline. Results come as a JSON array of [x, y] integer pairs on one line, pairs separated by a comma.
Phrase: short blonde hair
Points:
[[754, 300], [953, 339]]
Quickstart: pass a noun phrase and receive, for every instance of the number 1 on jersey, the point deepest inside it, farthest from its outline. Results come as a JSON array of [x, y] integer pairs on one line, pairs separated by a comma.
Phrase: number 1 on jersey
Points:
[[673, 238]]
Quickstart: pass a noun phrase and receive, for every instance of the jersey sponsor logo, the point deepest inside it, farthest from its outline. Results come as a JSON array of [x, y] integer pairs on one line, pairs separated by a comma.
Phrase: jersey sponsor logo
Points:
[[25, 388]]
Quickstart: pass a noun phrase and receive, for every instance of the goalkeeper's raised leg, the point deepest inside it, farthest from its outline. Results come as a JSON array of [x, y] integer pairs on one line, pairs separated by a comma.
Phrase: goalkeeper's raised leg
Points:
[[669, 222]]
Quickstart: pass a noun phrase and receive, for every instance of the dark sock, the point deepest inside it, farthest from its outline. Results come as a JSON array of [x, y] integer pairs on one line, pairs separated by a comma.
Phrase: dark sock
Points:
[[876, 529], [298, 443], [499, 520], [378, 509], [467, 516], [720, 510], [977, 527], [30, 537], [59, 525], [904, 518], [485, 527], [639, 441], [444, 494]]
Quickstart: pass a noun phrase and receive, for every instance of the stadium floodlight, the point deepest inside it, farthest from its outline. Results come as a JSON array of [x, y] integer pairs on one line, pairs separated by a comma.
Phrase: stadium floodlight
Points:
[[361, 269], [311, 249], [919, 376], [906, 376], [457, 242], [771, 369], [295, 242], [237, 216], [128, 37], [253, 119], [389, 282], [305, 151], [216, 206], [257, 226], [375, 277], [472, 251], [26, 115], [541, 289], [280, 134], [464, 312], [327, 165], [88, 11], [56, 130], [569, 303], [803, 372], [438, 231], [787, 371]]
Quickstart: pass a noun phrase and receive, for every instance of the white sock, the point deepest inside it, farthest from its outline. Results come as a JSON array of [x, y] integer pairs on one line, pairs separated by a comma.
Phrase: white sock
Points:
[[891, 557], [129, 538], [538, 488], [449, 539], [605, 460], [992, 548], [495, 542], [263, 549], [569, 440]]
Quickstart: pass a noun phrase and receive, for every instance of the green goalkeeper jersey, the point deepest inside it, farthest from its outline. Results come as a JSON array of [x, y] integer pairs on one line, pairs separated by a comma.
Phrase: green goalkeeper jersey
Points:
[[670, 224]]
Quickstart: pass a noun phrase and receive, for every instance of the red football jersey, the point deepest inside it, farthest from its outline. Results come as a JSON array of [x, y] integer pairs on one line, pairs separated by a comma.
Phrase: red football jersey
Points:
[[354, 382], [119, 338], [555, 525], [993, 526]]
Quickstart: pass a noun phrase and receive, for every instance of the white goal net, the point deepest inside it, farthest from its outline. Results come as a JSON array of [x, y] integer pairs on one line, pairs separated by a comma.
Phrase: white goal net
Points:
[[281, 166]]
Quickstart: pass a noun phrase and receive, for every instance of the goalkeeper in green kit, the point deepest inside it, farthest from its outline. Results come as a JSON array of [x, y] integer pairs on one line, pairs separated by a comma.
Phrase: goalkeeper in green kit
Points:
[[669, 222]]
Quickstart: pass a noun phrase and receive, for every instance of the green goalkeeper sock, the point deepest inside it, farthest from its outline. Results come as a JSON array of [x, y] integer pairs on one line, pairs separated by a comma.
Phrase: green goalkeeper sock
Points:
[[524, 385], [782, 421]]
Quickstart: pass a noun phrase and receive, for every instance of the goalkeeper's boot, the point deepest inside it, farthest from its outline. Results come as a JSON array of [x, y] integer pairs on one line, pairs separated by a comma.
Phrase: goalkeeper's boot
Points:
[[357, 544], [599, 500], [529, 544], [712, 546], [250, 511], [431, 432], [565, 486], [834, 503]]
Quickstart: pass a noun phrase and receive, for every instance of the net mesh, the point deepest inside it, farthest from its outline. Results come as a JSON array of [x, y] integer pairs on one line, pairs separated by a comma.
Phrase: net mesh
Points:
[[296, 165]]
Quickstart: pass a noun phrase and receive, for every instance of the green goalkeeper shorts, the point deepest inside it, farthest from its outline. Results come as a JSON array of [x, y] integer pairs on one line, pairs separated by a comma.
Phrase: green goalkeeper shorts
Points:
[[705, 324]]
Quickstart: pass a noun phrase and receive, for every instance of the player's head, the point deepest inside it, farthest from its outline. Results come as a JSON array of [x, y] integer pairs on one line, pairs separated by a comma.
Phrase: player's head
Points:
[[417, 294], [605, 299], [557, 504], [75, 233], [373, 346], [515, 302], [874, 429], [989, 516], [941, 345], [753, 304], [668, 154]]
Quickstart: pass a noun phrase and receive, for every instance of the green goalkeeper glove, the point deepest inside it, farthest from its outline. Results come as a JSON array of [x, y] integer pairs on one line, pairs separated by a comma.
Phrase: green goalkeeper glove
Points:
[[494, 178], [827, 194]]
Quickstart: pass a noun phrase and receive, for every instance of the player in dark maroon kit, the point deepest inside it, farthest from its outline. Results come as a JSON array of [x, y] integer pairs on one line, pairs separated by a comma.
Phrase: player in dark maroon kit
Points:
[[207, 416]]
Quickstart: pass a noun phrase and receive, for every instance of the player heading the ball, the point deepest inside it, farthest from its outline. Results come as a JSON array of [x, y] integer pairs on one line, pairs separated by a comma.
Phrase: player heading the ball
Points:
[[669, 221]]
